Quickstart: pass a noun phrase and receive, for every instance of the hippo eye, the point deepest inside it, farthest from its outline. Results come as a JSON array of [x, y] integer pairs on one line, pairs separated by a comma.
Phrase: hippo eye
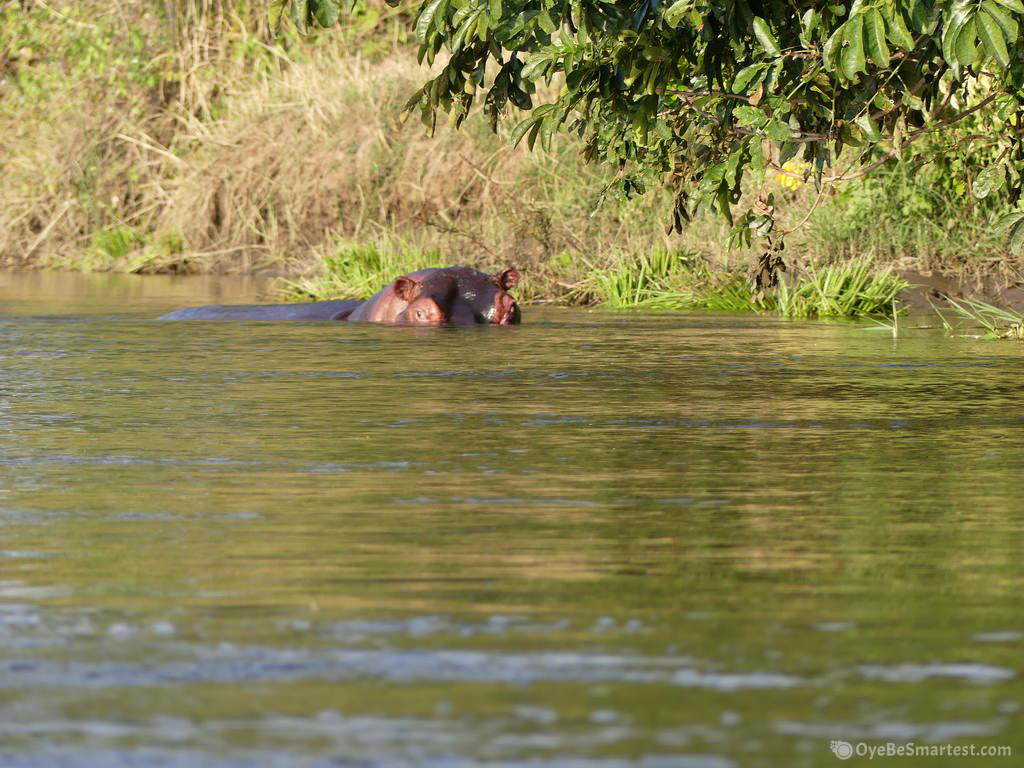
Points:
[[419, 314]]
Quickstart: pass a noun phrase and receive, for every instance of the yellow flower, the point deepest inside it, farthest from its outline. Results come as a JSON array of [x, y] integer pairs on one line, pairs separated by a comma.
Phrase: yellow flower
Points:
[[786, 181]]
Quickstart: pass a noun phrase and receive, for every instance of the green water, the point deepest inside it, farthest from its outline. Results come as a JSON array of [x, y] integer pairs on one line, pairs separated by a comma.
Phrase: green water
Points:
[[593, 540]]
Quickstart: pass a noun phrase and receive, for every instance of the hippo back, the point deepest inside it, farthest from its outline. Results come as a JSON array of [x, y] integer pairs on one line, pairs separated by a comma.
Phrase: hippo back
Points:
[[313, 310]]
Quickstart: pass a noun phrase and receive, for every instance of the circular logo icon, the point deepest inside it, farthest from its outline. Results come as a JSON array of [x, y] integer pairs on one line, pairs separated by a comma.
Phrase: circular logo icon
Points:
[[842, 749]]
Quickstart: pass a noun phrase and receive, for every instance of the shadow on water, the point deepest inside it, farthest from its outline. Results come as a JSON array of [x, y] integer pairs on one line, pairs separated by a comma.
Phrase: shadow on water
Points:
[[592, 540]]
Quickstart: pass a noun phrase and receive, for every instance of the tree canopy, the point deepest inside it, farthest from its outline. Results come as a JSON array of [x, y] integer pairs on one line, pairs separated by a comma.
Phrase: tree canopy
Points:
[[709, 95]]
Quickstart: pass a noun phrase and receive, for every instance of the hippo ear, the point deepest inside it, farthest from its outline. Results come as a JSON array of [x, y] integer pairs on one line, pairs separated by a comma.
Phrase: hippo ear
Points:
[[406, 288], [507, 279]]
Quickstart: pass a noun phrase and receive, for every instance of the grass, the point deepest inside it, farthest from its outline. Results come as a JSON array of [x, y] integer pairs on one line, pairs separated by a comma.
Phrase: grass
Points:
[[996, 323], [664, 280], [673, 280], [359, 271], [854, 288]]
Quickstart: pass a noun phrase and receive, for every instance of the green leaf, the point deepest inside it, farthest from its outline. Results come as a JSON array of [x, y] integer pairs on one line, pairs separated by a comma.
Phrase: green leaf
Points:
[[548, 128], [922, 17], [468, 20], [1013, 223], [1013, 5], [809, 21], [749, 116], [535, 68], [950, 32], [850, 136], [546, 22], [966, 48], [326, 12], [898, 32], [1006, 23], [426, 19], [992, 36], [724, 199], [494, 8], [778, 131], [520, 130], [765, 37], [852, 59], [875, 29], [833, 47], [677, 11], [882, 100], [579, 18], [866, 124], [988, 181], [913, 101], [1017, 238], [300, 15], [531, 140], [1009, 220], [462, 14], [758, 162], [745, 76]]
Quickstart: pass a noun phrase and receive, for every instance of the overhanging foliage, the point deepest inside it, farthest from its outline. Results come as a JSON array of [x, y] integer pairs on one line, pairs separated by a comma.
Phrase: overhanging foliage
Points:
[[709, 94]]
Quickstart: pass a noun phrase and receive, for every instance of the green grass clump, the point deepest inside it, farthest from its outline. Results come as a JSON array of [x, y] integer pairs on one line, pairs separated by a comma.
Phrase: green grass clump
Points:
[[672, 280], [997, 323], [848, 289], [359, 271], [110, 248], [114, 243], [666, 280]]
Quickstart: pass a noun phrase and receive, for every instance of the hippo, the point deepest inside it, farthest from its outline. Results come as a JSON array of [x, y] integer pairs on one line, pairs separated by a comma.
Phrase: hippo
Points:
[[437, 296], [477, 297]]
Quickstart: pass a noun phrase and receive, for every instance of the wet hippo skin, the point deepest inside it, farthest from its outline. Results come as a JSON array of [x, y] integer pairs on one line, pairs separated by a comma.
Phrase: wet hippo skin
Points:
[[439, 296], [479, 297], [314, 310]]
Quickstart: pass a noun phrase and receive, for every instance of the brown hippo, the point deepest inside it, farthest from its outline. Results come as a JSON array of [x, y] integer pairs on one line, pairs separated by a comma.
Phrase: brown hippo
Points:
[[475, 297], [446, 295]]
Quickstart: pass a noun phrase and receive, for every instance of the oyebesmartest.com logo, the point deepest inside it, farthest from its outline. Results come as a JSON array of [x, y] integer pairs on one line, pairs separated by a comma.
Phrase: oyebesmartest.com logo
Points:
[[844, 750]]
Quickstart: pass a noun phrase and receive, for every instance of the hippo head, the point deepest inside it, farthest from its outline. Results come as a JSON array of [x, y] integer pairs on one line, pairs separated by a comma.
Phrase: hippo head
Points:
[[483, 298], [429, 300]]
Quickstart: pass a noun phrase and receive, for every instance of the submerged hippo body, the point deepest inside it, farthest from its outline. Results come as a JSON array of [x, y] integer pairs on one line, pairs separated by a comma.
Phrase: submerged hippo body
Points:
[[314, 310], [445, 295]]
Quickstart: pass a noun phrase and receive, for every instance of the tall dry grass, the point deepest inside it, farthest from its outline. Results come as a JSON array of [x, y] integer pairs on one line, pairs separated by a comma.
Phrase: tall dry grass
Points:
[[94, 98], [319, 155], [181, 135]]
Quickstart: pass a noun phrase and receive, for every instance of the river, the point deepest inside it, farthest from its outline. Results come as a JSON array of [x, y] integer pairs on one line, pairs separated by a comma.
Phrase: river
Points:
[[593, 540]]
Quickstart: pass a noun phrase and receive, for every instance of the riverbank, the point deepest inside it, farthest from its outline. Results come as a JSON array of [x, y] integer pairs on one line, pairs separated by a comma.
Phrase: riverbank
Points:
[[153, 139]]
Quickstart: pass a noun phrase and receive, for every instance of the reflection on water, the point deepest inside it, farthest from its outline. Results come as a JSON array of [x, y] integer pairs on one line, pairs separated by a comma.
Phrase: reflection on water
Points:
[[594, 540]]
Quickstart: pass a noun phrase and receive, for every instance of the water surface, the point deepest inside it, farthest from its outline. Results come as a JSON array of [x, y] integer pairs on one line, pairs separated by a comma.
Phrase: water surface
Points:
[[592, 540]]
